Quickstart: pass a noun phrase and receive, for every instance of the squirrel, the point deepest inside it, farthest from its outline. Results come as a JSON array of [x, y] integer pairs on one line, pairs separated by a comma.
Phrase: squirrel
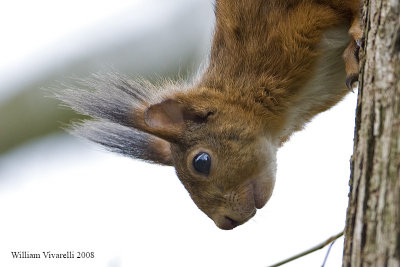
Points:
[[273, 66]]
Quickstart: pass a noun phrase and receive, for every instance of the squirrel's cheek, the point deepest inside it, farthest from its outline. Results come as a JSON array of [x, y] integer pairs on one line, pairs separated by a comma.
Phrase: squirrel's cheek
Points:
[[263, 188]]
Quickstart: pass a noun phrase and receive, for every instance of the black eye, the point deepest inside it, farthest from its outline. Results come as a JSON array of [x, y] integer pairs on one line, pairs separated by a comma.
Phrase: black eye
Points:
[[202, 163]]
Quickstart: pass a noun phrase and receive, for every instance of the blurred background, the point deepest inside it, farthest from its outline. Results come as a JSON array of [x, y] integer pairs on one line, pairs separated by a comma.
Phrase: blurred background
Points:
[[59, 193]]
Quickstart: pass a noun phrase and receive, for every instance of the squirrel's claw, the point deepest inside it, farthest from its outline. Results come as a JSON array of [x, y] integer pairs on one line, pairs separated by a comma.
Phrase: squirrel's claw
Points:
[[352, 82]]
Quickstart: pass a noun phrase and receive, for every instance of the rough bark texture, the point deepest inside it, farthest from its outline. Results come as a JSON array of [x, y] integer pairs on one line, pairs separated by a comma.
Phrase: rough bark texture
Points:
[[372, 234]]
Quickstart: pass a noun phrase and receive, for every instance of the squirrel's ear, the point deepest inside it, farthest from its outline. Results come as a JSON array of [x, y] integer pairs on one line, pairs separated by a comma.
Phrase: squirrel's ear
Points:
[[167, 114], [167, 119], [126, 141]]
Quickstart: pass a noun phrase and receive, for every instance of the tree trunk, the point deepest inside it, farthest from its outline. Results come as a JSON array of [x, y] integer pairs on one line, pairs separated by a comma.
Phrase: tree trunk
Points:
[[372, 234]]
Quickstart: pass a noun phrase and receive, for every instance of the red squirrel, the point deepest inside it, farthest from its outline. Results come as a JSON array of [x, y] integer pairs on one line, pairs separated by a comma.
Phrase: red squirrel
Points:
[[273, 66]]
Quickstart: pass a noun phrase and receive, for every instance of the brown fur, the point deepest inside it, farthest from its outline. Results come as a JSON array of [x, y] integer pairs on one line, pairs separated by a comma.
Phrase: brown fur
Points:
[[254, 94], [262, 55]]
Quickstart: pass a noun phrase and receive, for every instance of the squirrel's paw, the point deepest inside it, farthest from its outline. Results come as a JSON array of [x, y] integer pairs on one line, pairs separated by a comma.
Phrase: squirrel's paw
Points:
[[350, 55]]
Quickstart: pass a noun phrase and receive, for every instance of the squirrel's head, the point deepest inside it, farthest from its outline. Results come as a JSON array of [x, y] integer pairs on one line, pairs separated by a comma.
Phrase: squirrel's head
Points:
[[218, 151], [218, 147]]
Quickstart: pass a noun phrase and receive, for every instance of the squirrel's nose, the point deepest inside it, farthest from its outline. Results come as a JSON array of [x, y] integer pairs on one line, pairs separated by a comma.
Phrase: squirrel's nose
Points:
[[228, 223]]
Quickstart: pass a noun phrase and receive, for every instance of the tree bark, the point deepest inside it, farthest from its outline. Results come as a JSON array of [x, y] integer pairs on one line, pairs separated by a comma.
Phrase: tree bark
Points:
[[372, 234]]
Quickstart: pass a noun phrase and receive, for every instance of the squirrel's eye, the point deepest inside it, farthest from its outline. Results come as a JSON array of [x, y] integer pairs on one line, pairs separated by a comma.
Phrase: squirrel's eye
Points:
[[202, 163]]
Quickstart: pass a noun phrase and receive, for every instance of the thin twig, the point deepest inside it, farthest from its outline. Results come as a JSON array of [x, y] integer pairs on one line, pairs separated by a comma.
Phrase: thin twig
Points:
[[311, 250], [327, 253]]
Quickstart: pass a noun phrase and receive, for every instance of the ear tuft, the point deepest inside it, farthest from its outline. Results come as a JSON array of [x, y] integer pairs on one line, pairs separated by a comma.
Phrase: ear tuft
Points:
[[108, 96], [126, 141]]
